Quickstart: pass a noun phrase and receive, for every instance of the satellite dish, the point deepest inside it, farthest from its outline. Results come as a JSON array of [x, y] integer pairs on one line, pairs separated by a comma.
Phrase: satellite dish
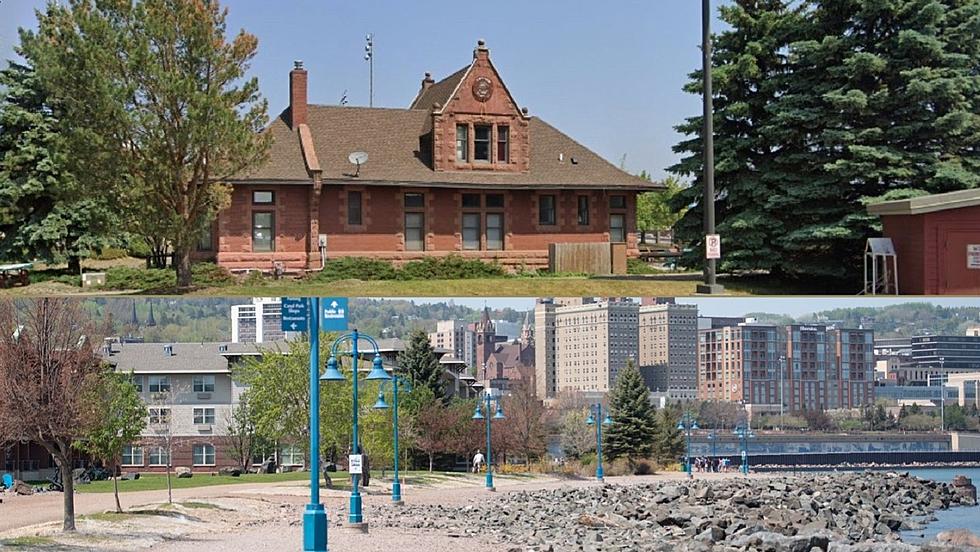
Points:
[[358, 158]]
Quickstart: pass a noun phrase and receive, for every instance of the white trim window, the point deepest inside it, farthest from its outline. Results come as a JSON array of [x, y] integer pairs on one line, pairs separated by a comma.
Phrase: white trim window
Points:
[[159, 384], [292, 455], [159, 416], [204, 416], [159, 456], [204, 384], [204, 455], [132, 455]]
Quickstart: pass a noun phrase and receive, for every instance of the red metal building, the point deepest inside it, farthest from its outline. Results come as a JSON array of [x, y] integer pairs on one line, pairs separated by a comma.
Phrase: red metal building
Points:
[[937, 241], [464, 170]]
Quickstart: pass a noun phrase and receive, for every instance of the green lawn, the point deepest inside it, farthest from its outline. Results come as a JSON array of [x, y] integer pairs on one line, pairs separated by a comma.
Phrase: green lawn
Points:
[[156, 482]]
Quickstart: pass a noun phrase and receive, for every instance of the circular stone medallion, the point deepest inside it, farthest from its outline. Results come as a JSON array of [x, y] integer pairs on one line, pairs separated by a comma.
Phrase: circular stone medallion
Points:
[[482, 89]]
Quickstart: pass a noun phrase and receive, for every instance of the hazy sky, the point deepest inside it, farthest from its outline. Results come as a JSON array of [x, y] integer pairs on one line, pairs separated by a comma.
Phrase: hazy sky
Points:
[[609, 74], [792, 306]]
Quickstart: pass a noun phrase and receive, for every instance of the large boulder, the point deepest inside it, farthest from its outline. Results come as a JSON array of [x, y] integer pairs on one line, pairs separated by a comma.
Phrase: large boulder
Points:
[[183, 473], [22, 488], [230, 471], [959, 538]]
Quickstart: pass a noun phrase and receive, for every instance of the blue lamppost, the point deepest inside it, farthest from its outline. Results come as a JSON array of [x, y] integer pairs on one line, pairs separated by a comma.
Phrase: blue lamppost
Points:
[[333, 373], [315, 515], [744, 433], [688, 424], [396, 382], [596, 410], [498, 415]]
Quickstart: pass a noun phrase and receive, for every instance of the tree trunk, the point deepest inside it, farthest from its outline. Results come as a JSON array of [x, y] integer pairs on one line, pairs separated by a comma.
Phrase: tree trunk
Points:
[[170, 489], [183, 258], [69, 495], [643, 236], [115, 488], [75, 264], [431, 456]]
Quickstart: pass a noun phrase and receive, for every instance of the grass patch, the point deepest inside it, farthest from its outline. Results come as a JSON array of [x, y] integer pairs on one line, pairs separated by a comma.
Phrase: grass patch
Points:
[[108, 516], [201, 505], [156, 482], [27, 542], [636, 266]]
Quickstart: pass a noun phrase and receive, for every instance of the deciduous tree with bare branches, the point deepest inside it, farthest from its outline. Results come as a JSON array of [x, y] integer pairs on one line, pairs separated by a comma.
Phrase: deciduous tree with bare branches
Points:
[[48, 358]]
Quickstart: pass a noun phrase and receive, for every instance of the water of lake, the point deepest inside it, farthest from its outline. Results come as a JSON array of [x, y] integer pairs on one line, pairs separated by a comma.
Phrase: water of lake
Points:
[[954, 518]]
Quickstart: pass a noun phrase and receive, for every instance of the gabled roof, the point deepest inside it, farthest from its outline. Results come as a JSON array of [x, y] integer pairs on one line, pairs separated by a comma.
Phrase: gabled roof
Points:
[[440, 92], [927, 203], [395, 141], [202, 358]]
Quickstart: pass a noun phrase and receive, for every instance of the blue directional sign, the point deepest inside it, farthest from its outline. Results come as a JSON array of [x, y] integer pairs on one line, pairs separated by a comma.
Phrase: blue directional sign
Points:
[[295, 314], [333, 314]]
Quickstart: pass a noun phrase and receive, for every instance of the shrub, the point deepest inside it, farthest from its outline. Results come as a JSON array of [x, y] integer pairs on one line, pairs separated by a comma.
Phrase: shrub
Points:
[[452, 267], [111, 254], [211, 275], [356, 268], [643, 467], [637, 266], [125, 277], [254, 278]]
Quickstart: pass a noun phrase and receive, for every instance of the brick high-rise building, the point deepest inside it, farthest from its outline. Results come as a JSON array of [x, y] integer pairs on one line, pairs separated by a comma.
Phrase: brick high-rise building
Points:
[[455, 336], [816, 367], [668, 350], [544, 349], [593, 341]]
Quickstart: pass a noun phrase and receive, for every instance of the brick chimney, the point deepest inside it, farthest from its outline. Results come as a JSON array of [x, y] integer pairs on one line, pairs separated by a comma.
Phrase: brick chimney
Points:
[[297, 95], [481, 51], [427, 82]]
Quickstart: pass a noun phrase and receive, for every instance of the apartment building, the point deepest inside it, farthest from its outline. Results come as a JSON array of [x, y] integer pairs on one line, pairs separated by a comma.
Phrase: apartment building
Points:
[[668, 350], [190, 396], [456, 336], [257, 322], [544, 349], [800, 366], [593, 341]]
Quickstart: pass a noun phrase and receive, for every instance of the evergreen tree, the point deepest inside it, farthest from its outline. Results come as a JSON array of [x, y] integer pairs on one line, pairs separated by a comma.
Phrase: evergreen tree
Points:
[[44, 213], [419, 361], [670, 440], [749, 70], [633, 428]]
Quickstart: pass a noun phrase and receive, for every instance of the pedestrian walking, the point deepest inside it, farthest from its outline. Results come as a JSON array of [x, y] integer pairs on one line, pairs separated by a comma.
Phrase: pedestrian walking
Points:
[[477, 461]]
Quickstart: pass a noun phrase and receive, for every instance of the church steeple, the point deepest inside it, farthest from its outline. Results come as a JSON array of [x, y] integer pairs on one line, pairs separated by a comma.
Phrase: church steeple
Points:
[[134, 321], [150, 321], [527, 331]]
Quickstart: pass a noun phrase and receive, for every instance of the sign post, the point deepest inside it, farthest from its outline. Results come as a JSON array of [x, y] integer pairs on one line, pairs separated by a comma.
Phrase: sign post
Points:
[[333, 316], [712, 244], [355, 464], [973, 256], [295, 314]]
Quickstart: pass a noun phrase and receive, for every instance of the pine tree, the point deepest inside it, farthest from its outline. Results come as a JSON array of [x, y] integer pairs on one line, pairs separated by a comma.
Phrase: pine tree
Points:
[[633, 428], [419, 361], [670, 440], [749, 69], [44, 213]]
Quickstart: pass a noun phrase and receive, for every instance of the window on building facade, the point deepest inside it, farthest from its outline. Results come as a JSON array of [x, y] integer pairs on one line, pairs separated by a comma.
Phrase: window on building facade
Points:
[[159, 415], [583, 210], [503, 144], [481, 143], [617, 202], [263, 224], [414, 232], [203, 416], [495, 201], [159, 384], [132, 455], [472, 201], [137, 381], [263, 198], [159, 456], [617, 228], [203, 455], [462, 142], [546, 210], [206, 241], [354, 209], [471, 231], [495, 231], [204, 384], [292, 455]]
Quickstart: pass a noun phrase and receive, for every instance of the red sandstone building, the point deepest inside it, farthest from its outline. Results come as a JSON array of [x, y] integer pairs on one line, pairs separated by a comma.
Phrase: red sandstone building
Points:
[[463, 170]]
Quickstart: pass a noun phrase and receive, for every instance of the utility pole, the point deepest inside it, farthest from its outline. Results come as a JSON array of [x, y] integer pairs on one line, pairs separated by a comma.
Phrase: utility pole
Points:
[[942, 393], [369, 57], [710, 285]]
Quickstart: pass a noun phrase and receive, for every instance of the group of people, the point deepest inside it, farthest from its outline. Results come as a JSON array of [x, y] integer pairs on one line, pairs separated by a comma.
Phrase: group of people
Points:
[[704, 464]]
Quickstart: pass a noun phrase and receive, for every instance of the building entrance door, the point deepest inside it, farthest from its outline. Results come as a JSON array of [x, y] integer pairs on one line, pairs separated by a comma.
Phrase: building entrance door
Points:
[[960, 265]]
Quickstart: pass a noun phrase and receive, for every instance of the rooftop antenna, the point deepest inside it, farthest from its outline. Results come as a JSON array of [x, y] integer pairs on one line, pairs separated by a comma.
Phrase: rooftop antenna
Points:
[[358, 158], [369, 57]]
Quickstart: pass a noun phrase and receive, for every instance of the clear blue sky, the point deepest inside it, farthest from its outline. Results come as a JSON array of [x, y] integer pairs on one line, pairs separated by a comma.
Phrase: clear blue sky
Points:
[[733, 306], [609, 74]]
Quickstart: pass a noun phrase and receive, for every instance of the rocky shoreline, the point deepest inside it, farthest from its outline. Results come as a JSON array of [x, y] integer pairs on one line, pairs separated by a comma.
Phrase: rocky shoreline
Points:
[[839, 512]]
